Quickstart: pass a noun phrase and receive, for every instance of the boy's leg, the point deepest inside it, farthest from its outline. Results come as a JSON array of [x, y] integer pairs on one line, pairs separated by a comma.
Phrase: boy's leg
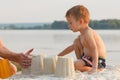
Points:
[[80, 65], [78, 48]]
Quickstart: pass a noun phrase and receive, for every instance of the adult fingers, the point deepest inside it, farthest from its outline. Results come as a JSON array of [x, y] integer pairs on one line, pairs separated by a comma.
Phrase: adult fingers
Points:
[[28, 52]]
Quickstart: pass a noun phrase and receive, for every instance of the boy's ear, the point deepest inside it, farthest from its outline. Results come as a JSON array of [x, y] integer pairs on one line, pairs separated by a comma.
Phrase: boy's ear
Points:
[[81, 21]]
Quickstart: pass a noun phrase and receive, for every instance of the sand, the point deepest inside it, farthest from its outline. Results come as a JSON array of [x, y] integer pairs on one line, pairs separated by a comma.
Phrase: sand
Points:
[[110, 73]]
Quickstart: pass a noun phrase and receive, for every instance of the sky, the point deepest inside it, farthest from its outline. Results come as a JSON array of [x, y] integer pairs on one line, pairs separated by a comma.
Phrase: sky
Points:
[[19, 11]]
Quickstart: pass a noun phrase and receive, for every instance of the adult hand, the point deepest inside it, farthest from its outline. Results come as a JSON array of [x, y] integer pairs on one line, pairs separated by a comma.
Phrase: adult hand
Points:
[[24, 60]]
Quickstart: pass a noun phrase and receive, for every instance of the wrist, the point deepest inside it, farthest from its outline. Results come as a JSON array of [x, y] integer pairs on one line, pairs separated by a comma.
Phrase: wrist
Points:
[[95, 68], [13, 57]]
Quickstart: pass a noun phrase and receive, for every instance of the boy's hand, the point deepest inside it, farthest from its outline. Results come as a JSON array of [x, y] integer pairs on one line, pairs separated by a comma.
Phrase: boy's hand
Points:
[[93, 70]]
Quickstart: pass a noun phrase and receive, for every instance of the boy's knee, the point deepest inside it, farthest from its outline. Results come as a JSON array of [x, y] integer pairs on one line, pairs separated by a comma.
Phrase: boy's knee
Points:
[[76, 64], [79, 65]]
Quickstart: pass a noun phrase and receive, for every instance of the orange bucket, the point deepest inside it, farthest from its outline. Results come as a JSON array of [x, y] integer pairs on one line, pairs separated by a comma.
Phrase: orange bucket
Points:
[[5, 69]]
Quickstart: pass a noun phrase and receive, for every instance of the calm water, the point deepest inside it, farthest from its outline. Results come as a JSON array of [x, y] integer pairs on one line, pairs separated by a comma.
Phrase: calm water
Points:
[[51, 42]]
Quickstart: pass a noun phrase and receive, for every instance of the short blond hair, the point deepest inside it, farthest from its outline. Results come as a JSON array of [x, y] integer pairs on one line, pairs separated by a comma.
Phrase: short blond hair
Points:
[[79, 11]]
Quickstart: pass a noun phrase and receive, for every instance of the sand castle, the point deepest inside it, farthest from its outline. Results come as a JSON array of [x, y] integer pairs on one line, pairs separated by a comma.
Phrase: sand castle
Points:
[[65, 67], [49, 65], [58, 66]]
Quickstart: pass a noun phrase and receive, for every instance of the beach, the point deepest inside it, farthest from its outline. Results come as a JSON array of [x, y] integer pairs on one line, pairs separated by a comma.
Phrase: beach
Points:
[[110, 73], [51, 42]]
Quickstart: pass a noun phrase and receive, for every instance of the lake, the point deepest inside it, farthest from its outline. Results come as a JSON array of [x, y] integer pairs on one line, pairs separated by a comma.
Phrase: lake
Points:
[[51, 42]]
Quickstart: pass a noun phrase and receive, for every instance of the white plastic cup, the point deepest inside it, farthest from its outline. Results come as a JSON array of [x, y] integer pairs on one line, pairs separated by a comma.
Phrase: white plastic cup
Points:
[[49, 65], [37, 64], [65, 67]]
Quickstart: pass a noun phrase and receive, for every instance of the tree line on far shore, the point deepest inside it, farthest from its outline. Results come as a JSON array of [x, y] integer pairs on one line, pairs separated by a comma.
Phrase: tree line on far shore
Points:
[[59, 25]]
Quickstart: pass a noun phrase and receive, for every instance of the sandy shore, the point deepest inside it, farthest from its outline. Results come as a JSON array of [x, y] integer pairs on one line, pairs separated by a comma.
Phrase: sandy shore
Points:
[[110, 73]]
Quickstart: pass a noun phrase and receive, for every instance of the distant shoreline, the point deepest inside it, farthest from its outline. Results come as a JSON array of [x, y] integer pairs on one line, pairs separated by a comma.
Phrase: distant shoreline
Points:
[[109, 24]]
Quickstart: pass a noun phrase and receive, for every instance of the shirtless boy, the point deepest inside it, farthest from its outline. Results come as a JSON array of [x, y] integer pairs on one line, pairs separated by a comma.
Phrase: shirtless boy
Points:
[[88, 46]]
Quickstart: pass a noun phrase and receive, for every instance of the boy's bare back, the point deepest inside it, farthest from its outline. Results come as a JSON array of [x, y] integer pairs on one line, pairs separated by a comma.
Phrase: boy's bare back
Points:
[[90, 41]]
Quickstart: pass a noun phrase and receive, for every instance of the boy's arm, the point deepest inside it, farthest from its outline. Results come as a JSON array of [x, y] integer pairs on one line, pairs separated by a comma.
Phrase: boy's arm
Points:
[[66, 50], [94, 52]]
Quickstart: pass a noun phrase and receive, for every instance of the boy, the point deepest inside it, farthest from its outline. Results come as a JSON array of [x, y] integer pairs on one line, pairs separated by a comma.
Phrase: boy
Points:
[[89, 47]]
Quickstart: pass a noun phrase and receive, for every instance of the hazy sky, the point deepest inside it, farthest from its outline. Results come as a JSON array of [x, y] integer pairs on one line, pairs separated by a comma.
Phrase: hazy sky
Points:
[[50, 10]]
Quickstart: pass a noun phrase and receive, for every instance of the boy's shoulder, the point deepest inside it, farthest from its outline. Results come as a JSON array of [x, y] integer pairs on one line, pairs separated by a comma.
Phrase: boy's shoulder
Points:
[[88, 34], [89, 31]]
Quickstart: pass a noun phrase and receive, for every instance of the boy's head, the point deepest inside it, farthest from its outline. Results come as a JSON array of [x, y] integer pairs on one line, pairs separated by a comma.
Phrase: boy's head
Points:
[[79, 12]]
